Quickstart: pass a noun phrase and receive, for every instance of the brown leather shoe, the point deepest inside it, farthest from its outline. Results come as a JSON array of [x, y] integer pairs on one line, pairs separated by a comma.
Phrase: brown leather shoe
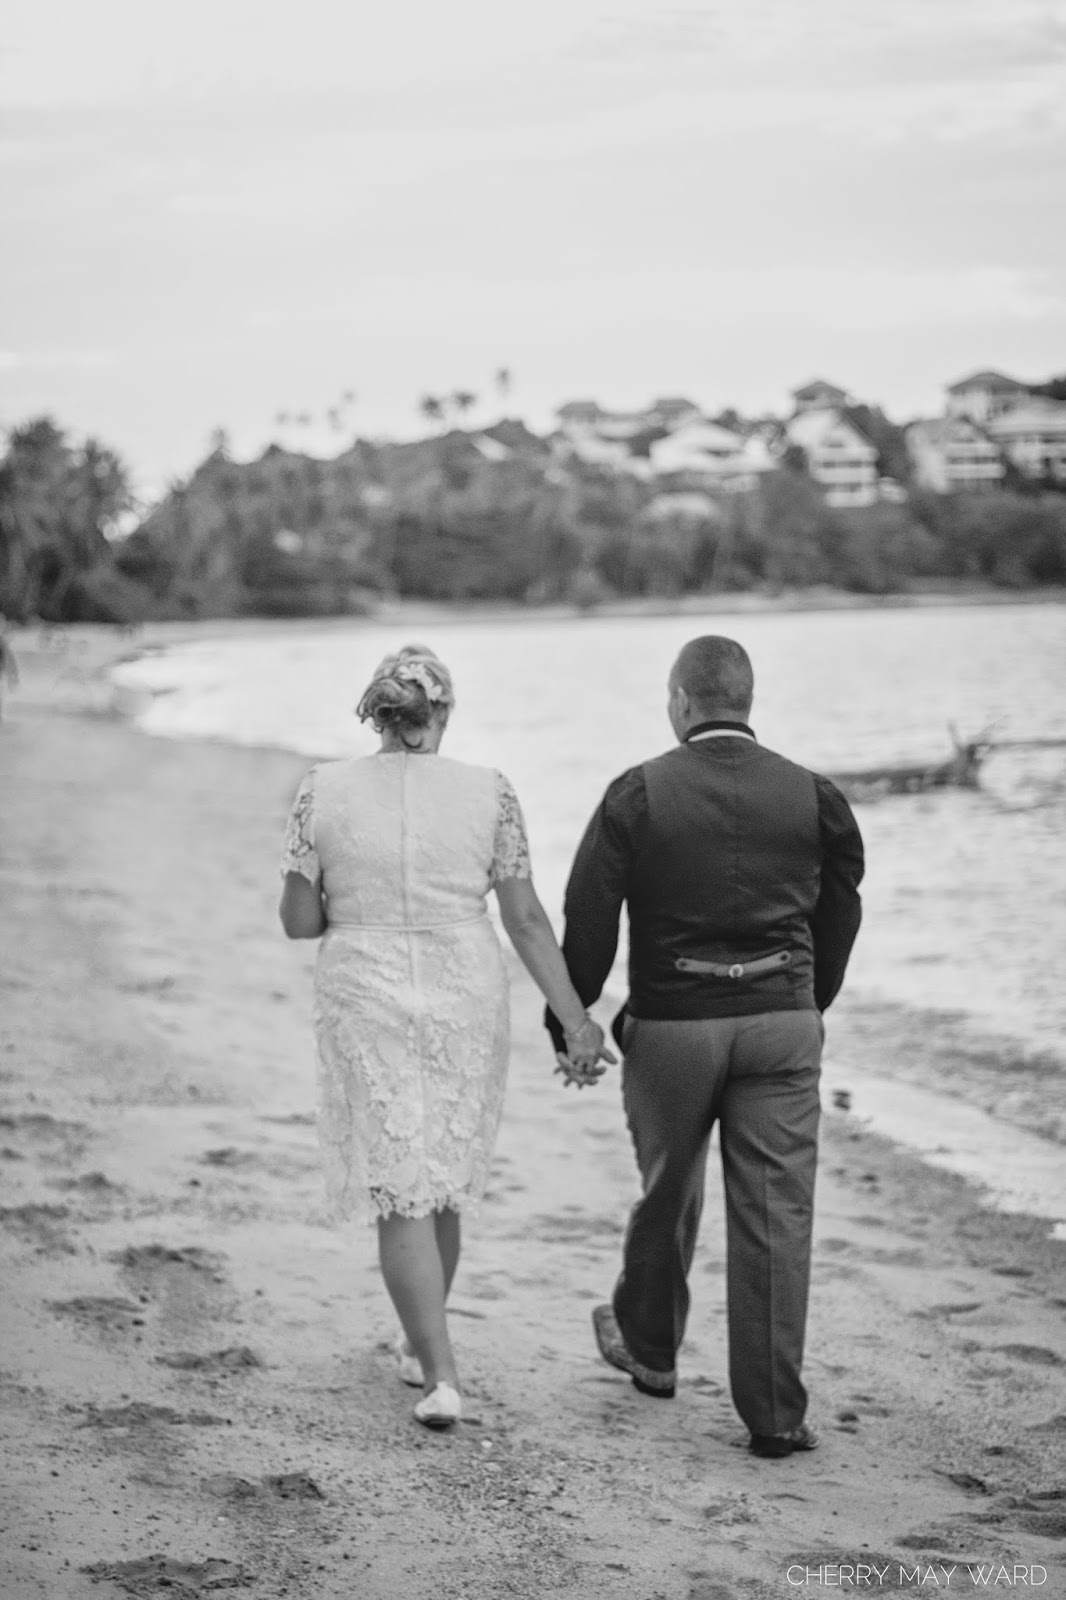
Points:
[[613, 1348], [775, 1445]]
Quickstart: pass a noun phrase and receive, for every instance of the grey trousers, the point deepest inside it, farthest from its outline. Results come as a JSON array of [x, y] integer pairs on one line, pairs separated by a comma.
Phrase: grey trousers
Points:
[[758, 1078]]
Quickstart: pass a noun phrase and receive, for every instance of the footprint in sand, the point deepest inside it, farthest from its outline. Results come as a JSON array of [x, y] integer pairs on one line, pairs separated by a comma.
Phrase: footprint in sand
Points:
[[140, 1414], [228, 1156], [189, 1579], [871, 1407], [106, 1313], [279, 1486], [149, 1259], [39, 1225], [40, 1125], [1037, 1354], [95, 1184], [905, 1256], [731, 1588], [237, 1358], [55, 1142], [1045, 1524], [480, 1289], [941, 1542], [948, 1309], [560, 1229], [707, 1386], [967, 1481], [729, 1512], [1056, 1424], [186, 1284]]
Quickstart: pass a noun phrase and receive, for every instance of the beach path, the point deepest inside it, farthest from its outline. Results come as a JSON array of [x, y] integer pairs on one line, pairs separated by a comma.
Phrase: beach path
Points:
[[197, 1388]]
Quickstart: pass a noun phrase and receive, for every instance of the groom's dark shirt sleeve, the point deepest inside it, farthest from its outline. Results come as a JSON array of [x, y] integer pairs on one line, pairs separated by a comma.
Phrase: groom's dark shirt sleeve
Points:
[[834, 922], [597, 887]]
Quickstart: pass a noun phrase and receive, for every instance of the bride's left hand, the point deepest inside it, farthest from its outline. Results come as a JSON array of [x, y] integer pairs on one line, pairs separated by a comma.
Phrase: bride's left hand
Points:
[[579, 1075]]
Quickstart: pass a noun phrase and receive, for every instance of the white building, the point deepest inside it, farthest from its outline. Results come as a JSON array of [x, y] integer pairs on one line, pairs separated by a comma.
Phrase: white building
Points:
[[700, 448], [819, 396], [597, 451], [584, 419], [671, 410], [839, 457], [984, 395], [1033, 435], [952, 454], [705, 453]]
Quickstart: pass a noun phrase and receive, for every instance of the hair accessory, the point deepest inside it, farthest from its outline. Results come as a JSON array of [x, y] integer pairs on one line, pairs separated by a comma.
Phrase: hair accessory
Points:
[[417, 672]]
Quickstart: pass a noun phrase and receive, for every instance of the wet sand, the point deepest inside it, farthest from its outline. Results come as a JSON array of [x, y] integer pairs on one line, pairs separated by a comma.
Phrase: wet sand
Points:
[[197, 1388]]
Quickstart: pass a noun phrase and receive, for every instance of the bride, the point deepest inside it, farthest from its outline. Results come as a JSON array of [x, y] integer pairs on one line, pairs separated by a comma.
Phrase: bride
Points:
[[389, 859]]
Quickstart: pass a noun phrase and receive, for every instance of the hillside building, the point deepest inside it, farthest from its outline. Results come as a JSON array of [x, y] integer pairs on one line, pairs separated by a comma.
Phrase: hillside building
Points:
[[1033, 437], [839, 458], [984, 395], [952, 454], [671, 410], [702, 453], [819, 396]]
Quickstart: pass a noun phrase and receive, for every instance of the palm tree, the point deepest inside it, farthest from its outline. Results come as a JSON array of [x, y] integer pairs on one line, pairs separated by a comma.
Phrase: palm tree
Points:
[[503, 383], [463, 401], [431, 408]]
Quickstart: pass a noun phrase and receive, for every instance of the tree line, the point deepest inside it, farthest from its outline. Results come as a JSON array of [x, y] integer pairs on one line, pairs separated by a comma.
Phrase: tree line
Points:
[[467, 517]]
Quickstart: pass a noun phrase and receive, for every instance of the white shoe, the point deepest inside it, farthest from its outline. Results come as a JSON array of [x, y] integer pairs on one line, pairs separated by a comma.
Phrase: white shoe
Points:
[[409, 1364], [440, 1408]]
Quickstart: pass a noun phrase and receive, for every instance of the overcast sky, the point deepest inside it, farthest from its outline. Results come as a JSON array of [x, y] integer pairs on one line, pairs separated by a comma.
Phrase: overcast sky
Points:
[[221, 209]]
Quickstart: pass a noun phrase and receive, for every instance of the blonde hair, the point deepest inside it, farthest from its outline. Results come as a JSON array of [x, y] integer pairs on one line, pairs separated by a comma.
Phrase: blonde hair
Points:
[[407, 690]]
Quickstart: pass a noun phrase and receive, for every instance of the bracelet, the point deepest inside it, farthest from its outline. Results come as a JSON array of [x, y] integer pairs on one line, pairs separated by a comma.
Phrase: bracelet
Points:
[[575, 1033]]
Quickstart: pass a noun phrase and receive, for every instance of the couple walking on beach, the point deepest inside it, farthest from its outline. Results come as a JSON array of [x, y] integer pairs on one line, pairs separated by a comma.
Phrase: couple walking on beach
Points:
[[740, 872]]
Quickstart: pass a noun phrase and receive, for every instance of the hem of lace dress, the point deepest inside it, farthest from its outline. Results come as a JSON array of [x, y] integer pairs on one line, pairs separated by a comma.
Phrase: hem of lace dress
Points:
[[376, 1206], [306, 868]]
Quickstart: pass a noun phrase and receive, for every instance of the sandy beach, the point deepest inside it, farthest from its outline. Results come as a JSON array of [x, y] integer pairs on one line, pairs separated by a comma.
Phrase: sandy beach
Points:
[[198, 1393]]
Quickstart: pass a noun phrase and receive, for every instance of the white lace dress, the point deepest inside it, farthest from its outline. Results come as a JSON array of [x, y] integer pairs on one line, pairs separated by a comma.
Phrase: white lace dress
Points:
[[411, 1007]]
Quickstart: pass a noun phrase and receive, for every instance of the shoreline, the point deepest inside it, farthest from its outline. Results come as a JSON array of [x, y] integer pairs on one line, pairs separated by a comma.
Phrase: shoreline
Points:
[[161, 633], [196, 1371]]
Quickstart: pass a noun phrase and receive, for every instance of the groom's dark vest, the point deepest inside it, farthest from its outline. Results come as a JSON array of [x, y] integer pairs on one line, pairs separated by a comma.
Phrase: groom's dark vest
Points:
[[727, 874]]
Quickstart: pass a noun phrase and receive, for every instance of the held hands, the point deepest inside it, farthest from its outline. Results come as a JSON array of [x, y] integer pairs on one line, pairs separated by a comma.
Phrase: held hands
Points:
[[585, 1050]]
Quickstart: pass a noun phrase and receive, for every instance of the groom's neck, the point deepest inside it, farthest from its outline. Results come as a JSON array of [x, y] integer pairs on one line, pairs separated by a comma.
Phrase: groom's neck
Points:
[[731, 716]]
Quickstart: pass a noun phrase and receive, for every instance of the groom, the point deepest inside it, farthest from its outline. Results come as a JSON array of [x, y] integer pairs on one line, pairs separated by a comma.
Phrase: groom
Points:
[[740, 871]]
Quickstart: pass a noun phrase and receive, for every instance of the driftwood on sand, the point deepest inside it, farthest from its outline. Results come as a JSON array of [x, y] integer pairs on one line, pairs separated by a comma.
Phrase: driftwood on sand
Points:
[[962, 770]]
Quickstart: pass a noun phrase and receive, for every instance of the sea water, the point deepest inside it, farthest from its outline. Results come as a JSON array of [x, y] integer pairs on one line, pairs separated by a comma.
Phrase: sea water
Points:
[[965, 895]]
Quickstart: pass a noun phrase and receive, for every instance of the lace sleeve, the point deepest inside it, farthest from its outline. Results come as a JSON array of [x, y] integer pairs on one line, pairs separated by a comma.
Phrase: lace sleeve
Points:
[[510, 857], [299, 853]]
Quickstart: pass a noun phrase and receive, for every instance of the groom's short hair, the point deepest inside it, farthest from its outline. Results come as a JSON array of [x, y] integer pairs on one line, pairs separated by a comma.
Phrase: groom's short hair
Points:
[[716, 674]]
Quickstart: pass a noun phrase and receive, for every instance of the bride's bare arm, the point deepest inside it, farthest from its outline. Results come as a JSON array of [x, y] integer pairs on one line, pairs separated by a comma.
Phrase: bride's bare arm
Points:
[[301, 910], [531, 933]]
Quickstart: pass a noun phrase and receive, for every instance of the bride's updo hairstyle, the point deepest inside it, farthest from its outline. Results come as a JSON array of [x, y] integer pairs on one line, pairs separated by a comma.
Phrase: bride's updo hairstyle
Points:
[[406, 692]]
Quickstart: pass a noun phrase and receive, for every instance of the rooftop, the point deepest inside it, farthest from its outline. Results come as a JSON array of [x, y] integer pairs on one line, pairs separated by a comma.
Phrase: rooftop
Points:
[[818, 386], [997, 381]]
